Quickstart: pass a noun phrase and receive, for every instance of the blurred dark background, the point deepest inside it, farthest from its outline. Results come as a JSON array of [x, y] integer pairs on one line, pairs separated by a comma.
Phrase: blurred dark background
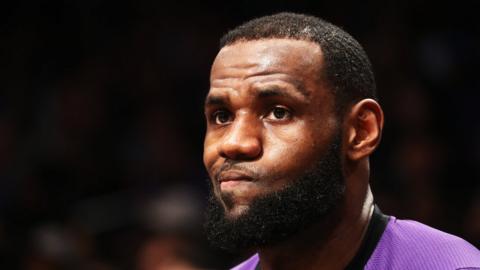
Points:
[[101, 123]]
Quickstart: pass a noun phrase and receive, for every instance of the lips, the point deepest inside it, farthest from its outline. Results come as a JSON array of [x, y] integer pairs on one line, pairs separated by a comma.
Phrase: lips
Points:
[[227, 176], [235, 182]]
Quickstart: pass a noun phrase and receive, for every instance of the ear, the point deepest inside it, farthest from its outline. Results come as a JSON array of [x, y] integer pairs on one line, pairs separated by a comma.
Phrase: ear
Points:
[[364, 129]]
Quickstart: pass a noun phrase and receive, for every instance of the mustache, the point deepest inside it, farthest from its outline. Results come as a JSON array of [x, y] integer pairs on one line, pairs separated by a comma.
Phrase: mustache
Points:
[[247, 169]]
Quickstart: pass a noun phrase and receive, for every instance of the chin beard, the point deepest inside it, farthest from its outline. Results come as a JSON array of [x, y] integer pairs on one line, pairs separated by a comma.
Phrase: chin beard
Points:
[[275, 217]]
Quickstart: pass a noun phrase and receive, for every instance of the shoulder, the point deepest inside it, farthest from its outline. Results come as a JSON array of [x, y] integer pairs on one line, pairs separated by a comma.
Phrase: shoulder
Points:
[[249, 264], [408, 244]]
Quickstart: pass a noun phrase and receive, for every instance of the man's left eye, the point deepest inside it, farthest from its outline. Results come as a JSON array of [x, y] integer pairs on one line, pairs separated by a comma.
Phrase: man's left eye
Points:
[[279, 113]]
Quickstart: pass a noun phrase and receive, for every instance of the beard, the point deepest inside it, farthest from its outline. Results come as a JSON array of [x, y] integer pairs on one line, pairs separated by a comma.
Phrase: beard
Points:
[[275, 217]]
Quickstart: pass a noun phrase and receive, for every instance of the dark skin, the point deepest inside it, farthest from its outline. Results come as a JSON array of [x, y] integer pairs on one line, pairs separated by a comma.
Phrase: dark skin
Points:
[[271, 115]]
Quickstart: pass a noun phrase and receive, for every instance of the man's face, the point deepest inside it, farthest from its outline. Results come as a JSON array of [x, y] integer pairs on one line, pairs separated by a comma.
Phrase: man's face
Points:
[[269, 119]]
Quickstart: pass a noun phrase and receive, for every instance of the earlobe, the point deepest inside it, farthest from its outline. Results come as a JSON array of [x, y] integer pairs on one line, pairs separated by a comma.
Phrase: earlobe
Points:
[[365, 124]]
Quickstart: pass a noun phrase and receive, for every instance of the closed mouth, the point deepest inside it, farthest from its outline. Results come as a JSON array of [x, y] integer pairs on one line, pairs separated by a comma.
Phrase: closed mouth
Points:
[[233, 176]]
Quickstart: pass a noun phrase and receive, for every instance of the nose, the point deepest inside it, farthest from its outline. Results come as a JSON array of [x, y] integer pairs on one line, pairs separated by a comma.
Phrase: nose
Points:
[[242, 141]]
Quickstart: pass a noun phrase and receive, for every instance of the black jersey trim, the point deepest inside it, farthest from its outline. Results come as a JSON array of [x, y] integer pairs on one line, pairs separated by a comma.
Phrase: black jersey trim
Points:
[[375, 230]]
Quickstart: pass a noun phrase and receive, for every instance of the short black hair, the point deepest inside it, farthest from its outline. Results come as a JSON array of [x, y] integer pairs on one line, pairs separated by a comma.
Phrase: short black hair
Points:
[[347, 69]]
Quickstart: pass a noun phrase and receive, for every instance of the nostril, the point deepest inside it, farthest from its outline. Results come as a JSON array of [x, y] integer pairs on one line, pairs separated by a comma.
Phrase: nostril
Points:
[[247, 149], [242, 140]]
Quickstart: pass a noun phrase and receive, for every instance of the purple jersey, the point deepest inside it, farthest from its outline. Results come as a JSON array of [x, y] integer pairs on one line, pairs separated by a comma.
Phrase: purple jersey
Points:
[[406, 244]]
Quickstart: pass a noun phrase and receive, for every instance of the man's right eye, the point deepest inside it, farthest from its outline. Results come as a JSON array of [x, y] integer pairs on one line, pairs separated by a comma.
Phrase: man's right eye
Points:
[[221, 117]]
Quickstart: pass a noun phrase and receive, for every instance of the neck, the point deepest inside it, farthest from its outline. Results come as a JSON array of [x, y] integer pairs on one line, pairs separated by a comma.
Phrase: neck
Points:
[[330, 244]]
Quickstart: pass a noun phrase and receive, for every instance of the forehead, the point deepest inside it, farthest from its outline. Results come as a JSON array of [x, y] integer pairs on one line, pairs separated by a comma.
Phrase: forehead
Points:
[[297, 59]]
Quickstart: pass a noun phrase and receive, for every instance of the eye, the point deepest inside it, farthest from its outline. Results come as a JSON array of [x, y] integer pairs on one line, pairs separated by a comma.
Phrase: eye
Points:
[[221, 117], [279, 113]]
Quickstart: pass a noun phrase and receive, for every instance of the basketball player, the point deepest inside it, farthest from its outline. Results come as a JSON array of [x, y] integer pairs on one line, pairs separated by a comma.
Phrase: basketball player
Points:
[[292, 119]]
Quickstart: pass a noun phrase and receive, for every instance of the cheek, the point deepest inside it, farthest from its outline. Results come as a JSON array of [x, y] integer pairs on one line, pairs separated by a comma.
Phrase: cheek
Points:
[[287, 139], [209, 159], [289, 146], [209, 152], [290, 149]]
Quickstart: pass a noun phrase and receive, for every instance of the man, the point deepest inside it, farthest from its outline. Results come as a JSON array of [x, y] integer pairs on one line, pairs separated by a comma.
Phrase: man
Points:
[[292, 119]]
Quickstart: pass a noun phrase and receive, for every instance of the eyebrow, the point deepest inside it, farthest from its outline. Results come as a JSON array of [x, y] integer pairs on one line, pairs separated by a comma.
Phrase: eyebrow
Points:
[[300, 87], [267, 92], [276, 91], [298, 84], [215, 100], [273, 91]]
